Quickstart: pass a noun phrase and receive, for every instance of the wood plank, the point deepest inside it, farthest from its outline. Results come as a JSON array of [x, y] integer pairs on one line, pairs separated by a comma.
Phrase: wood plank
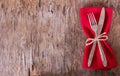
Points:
[[44, 37]]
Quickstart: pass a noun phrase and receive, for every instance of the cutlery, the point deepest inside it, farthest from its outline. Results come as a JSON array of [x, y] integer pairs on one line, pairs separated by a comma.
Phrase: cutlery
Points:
[[97, 28], [94, 27], [100, 26]]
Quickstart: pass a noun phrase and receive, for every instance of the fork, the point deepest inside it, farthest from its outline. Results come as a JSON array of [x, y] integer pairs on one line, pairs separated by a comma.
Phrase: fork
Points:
[[94, 27], [93, 24]]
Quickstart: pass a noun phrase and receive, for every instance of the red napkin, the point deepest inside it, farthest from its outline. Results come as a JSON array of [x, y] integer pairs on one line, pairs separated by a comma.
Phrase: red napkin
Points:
[[97, 62]]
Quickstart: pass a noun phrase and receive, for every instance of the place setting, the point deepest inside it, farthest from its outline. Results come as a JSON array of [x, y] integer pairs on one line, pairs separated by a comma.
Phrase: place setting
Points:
[[98, 54]]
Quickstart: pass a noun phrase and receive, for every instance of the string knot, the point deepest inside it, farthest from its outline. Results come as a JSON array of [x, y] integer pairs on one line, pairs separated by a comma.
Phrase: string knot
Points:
[[101, 37]]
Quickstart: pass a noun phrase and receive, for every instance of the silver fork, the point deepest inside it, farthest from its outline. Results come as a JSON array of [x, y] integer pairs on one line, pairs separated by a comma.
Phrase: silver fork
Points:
[[93, 24]]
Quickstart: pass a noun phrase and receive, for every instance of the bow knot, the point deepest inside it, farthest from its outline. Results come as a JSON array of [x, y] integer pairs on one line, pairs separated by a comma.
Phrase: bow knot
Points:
[[101, 37]]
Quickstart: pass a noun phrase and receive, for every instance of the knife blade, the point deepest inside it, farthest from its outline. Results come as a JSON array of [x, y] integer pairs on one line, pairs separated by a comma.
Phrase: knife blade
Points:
[[99, 29], [101, 21]]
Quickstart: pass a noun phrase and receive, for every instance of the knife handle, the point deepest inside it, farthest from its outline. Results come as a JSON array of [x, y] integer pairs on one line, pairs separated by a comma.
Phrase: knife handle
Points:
[[91, 54], [103, 57]]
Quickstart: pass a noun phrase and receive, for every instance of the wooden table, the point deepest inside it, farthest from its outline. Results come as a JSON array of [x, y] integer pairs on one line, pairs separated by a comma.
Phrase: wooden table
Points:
[[44, 37]]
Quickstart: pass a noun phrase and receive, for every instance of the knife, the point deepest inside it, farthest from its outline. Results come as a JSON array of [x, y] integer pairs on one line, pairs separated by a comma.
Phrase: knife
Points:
[[101, 21], [99, 29]]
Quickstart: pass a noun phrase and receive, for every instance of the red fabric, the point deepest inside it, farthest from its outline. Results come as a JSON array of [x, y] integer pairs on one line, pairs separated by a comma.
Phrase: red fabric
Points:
[[96, 62]]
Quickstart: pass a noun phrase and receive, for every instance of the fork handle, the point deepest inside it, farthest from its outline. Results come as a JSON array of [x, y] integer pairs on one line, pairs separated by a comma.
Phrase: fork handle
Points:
[[103, 58], [91, 54]]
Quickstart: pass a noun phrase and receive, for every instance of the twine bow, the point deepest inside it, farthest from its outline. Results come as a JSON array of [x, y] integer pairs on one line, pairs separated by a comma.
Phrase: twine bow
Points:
[[101, 37]]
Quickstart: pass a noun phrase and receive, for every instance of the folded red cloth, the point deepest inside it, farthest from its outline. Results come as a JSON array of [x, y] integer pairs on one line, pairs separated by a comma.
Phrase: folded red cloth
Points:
[[97, 62]]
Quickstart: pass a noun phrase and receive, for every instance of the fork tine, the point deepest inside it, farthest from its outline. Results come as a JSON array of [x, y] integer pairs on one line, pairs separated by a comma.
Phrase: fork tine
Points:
[[94, 19], [89, 18]]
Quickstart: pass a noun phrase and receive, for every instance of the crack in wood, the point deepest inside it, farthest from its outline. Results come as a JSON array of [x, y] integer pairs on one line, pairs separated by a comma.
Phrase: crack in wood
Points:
[[2, 5], [64, 10], [39, 3], [29, 72]]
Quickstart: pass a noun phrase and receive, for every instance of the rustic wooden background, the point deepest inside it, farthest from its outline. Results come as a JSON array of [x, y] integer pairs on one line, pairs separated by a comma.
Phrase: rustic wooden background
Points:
[[44, 37]]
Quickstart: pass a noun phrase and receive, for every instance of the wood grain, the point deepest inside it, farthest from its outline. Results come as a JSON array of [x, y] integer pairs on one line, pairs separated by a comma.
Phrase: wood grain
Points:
[[44, 37]]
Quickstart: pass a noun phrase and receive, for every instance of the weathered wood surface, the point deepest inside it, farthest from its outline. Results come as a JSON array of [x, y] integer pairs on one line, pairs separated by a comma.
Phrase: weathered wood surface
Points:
[[44, 37]]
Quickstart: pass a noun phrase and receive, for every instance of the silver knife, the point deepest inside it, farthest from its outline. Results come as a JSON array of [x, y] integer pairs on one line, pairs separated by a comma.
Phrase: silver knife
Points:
[[99, 29], [101, 21]]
